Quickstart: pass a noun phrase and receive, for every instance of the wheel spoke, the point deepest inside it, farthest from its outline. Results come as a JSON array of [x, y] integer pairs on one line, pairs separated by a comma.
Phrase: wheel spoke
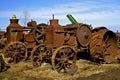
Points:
[[38, 31], [37, 55], [37, 61], [67, 51], [64, 54], [39, 36], [58, 59], [71, 55], [59, 67], [22, 48], [15, 50], [64, 59], [21, 57], [9, 52], [60, 54], [16, 47], [21, 52], [108, 45], [65, 68], [15, 59]]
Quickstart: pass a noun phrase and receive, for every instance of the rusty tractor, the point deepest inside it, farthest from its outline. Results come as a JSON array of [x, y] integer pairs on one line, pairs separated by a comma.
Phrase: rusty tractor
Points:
[[58, 45], [103, 45], [53, 43]]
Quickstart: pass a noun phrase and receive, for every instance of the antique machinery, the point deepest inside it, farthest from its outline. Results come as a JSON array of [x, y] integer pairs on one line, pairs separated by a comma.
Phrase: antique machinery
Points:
[[59, 45], [83, 31], [15, 50], [21, 40], [52, 49], [2, 40], [103, 45]]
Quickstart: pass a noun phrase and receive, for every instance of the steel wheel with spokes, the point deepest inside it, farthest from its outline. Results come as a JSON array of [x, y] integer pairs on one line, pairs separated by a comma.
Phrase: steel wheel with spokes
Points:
[[64, 59], [16, 51], [39, 55], [39, 33]]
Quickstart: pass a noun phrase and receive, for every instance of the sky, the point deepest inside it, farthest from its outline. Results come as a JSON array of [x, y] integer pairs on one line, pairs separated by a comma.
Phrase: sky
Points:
[[95, 12]]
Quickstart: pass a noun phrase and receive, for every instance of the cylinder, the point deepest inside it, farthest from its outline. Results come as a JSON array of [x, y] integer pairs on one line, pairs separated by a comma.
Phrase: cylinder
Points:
[[103, 45], [72, 20]]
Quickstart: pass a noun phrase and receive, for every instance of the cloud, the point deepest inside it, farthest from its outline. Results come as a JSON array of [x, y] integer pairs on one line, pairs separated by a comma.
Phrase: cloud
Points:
[[85, 10], [88, 10], [63, 9]]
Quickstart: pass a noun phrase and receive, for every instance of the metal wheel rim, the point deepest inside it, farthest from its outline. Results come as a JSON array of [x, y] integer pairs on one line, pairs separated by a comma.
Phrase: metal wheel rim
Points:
[[68, 65], [16, 51], [110, 50], [83, 34], [39, 33], [37, 55]]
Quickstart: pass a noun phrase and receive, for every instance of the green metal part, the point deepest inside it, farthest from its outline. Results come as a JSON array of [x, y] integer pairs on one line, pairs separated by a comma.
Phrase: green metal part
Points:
[[72, 20]]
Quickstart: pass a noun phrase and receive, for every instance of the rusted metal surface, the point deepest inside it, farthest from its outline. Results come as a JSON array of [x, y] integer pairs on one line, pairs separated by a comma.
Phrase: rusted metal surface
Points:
[[49, 38], [19, 40], [39, 33], [3, 39], [3, 43], [82, 31], [14, 36], [54, 39], [40, 54], [70, 34], [15, 51], [103, 45], [83, 34], [58, 45], [32, 24], [64, 59]]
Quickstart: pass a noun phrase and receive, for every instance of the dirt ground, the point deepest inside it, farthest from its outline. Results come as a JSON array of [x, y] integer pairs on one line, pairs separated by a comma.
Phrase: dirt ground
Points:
[[87, 70]]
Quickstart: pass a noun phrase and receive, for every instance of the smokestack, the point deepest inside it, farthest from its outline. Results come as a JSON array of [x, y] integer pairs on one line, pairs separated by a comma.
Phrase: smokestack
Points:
[[54, 22]]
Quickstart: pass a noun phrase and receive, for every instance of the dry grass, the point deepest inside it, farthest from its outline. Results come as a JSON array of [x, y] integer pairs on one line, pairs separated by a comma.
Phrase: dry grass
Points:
[[86, 69], [25, 71]]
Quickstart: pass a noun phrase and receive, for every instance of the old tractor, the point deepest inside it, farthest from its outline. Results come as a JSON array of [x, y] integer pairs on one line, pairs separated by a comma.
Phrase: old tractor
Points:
[[103, 45], [53, 43], [60, 44]]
